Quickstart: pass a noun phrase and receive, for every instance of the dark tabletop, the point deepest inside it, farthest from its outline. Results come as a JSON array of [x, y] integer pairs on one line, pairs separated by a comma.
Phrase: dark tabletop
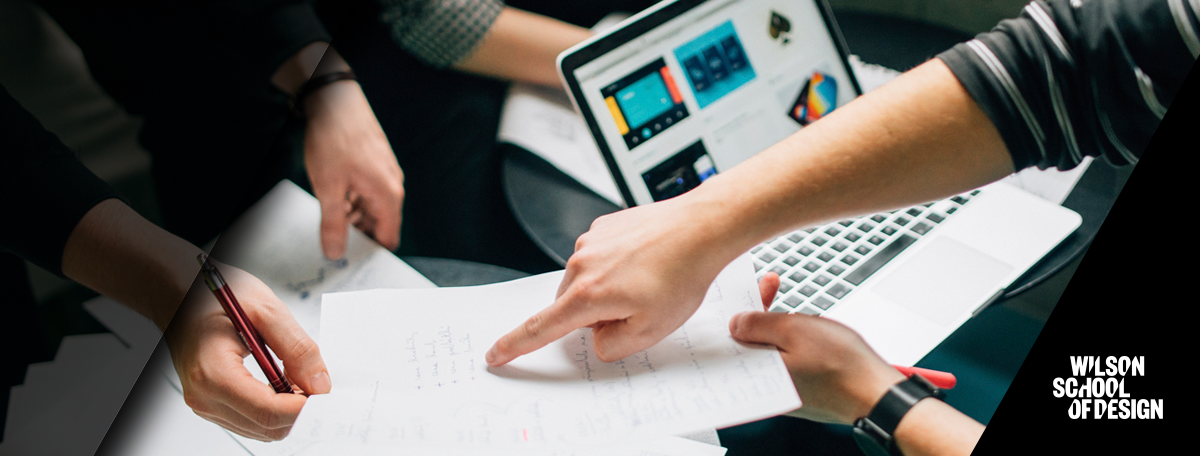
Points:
[[457, 273]]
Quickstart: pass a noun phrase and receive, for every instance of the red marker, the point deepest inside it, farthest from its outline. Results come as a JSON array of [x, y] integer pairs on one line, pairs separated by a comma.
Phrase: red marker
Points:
[[244, 327], [943, 380]]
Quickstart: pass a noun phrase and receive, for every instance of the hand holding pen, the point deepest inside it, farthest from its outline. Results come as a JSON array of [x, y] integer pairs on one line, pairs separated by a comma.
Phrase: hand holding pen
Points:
[[208, 353], [243, 325]]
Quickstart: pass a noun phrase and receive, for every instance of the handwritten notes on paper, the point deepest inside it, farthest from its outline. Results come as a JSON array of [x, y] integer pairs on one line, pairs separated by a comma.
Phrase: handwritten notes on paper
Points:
[[278, 240], [410, 373]]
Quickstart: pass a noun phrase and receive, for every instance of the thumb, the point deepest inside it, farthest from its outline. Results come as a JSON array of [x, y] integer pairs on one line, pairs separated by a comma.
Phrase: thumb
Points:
[[615, 340], [333, 226], [301, 357], [760, 328]]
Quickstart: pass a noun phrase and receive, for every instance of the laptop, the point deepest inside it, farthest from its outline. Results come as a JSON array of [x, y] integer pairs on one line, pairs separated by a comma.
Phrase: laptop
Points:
[[690, 88]]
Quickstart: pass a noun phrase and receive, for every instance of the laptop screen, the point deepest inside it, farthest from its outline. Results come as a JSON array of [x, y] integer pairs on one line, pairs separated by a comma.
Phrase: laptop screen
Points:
[[700, 86]]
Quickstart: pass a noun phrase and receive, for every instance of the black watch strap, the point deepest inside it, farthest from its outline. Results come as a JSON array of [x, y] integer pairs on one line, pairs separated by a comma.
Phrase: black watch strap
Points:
[[874, 431], [317, 82]]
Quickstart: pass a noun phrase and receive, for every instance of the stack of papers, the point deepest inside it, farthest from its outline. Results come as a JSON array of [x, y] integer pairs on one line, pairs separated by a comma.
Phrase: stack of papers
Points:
[[409, 371], [558, 401]]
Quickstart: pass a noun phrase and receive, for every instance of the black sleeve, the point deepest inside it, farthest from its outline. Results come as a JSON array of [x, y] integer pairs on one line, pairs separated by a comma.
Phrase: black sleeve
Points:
[[44, 190], [273, 31], [1075, 78], [164, 54]]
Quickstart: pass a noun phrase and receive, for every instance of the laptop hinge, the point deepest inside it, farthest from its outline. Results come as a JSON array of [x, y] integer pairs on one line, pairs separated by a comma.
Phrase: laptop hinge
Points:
[[987, 303]]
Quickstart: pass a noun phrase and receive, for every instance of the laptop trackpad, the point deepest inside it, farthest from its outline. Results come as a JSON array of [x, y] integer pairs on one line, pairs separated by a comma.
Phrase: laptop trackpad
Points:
[[943, 280]]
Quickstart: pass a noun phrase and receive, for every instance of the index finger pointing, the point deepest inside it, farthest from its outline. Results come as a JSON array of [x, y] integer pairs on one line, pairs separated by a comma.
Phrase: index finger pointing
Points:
[[547, 326]]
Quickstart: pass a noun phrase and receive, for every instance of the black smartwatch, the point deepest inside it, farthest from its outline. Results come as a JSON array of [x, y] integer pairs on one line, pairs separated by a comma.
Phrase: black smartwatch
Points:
[[873, 432]]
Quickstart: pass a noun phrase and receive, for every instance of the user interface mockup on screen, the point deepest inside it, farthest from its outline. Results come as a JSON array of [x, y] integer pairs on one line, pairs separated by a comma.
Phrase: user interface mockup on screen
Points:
[[711, 87]]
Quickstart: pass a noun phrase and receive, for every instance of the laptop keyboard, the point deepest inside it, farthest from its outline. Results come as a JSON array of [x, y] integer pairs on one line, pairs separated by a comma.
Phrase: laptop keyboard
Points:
[[819, 267]]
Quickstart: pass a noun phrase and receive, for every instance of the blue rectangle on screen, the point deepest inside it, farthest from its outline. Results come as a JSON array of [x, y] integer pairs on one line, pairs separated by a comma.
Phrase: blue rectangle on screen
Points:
[[644, 100], [716, 64]]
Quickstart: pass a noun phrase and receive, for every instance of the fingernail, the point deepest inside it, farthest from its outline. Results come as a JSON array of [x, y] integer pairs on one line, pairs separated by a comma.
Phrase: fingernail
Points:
[[320, 383], [733, 324], [490, 357]]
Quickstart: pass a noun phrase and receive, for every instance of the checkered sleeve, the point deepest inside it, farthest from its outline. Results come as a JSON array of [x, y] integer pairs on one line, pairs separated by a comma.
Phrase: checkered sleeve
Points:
[[440, 33]]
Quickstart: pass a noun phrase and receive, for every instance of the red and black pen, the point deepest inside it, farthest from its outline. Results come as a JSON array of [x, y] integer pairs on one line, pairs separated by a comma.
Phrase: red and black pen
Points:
[[943, 380], [245, 328]]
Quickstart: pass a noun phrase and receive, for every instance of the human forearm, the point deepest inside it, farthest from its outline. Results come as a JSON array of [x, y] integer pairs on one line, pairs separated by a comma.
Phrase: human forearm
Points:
[[934, 428], [917, 139], [523, 46], [116, 252]]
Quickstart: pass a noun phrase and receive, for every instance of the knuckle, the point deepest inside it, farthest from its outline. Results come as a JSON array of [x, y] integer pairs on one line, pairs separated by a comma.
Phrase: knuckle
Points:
[[600, 221], [263, 311], [503, 345], [582, 240], [304, 349], [586, 290], [576, 261], [533, 326], [790, 329]]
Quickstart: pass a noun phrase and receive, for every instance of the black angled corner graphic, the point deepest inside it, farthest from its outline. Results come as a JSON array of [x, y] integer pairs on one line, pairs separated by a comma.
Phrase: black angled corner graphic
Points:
[[1130, 297]]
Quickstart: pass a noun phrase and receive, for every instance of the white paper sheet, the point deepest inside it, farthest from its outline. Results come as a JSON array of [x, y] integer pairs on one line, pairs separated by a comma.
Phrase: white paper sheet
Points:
[[543, 121], [74, 412], [410, 373], [665, 446], [166, 426], [279, 241], [1051, 184]]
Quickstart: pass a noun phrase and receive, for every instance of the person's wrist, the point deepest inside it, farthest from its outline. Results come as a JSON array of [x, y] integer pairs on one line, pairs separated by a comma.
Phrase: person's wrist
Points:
[[717, 223], [179, 275], [315, 94], [297, 69], [868, 389], [321, 100]]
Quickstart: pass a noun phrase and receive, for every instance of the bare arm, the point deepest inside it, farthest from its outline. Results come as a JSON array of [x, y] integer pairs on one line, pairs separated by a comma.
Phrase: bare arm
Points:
[[523, 46], [116, 252], [933, 428], [917, 139]]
